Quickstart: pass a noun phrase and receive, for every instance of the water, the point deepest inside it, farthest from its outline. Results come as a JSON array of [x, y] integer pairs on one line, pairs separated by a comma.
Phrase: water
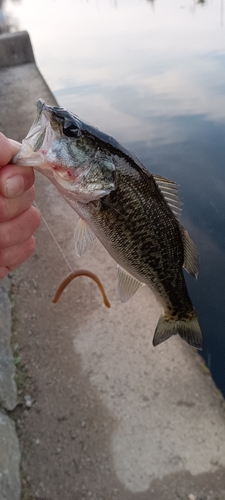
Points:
[[151, 73]]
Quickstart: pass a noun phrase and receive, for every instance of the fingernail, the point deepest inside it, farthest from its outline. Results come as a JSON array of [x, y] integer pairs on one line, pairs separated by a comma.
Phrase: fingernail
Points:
[[14, 186]]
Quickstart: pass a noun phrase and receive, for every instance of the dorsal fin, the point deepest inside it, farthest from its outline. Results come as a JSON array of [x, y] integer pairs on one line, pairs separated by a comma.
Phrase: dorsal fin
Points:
[[191, 257], [170, 192]]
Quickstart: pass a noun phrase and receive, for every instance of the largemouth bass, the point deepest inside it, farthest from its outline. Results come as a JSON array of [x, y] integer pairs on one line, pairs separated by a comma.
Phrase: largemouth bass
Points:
[[132, 212]]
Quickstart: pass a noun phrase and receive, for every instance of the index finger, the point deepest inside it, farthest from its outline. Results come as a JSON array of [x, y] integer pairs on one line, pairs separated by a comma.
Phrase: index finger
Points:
[[8, 148]]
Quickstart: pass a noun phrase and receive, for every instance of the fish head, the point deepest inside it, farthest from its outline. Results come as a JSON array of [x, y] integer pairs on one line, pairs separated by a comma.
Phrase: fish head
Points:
[[65, 149]]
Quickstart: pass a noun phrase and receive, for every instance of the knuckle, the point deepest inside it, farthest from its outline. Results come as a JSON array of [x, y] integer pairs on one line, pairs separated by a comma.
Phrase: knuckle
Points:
[[35, 218], [31, 194], [24, 251], [12, 257], [29, 246], [3, 258], [5, 209], [6, 237], [12, 207]]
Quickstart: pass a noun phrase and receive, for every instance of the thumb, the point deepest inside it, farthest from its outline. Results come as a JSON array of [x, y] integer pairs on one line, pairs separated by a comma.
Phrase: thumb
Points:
[[8, 149]]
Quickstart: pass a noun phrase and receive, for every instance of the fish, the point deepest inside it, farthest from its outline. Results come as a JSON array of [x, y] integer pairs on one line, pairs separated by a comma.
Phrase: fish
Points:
[[132, 212], [75, 274]]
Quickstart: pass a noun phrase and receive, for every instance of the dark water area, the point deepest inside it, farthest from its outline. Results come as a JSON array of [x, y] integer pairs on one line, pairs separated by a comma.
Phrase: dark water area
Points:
[[152, 74], [201, 174]]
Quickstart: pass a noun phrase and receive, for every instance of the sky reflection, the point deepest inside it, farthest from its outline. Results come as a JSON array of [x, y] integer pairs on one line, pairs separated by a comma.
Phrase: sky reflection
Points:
[[170, 59]]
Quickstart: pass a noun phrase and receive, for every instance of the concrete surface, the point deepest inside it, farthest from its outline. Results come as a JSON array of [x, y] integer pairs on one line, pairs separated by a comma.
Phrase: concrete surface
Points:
[[102, 414], [9, 446], [15, 48], [8, 394], [16, 65], [9, 460]]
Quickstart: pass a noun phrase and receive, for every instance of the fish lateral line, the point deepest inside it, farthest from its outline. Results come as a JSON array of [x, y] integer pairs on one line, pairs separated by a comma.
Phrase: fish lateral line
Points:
[[75, 274]]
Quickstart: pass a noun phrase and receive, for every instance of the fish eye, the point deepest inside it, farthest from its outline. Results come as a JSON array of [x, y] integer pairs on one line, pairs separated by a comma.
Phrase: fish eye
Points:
[[71, 130]]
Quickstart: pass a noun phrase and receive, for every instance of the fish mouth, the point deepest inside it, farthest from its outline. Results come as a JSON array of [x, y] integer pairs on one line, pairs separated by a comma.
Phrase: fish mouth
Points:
[[38, 140], [46, 130], [36, 150], [45, 149], [64, 175]]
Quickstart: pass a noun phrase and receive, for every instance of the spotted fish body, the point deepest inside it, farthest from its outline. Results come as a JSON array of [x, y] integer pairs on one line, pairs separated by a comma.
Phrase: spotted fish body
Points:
[[132, 212]]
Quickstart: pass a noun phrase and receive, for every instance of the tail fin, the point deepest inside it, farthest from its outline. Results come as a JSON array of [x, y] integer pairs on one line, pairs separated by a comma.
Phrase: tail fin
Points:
[[188, 329]]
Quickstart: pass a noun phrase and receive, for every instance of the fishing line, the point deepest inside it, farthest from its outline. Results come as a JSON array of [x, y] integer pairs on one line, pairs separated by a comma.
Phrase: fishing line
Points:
[[53, 236], [113, 208]]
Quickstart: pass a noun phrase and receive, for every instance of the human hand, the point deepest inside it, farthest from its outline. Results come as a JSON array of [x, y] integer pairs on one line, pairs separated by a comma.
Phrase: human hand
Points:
[[18, 219]]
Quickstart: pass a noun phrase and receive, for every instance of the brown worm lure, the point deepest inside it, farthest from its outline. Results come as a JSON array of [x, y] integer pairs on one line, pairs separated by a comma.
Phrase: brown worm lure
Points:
[[75, 274]]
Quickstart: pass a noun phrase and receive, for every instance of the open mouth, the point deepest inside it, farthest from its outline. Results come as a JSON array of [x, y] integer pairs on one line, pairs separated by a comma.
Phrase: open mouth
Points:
[[64, 174], [69, 178]]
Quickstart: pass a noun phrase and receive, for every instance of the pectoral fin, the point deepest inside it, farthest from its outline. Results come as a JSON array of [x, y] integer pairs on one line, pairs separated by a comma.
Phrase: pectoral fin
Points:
[[127, 284], [84, 238]]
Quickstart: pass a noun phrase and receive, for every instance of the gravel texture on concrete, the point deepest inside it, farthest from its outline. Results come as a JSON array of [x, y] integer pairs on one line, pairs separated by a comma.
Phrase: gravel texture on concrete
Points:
[[17, 71], [9, 460], [8, 394], [9, 446], [104, 414]]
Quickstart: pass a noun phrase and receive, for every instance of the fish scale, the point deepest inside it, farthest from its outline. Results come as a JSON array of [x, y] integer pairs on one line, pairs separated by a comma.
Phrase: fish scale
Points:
[[137, 237], [132, 212]]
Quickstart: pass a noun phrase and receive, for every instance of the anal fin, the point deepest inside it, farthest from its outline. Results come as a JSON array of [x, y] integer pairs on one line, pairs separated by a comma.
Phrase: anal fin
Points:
[[127, 284]]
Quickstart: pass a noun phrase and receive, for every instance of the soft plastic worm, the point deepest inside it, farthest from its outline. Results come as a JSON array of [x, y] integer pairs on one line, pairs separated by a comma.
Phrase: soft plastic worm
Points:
[[74, 274]]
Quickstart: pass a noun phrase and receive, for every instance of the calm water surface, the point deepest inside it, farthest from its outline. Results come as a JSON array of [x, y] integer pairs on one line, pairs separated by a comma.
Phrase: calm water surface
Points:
[[151, 73]]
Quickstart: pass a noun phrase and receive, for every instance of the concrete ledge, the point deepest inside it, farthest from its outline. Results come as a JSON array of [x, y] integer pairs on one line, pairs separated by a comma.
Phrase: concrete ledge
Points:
[[9, 460], [21, 84], [113, 417], [15, 48], [8, 392]]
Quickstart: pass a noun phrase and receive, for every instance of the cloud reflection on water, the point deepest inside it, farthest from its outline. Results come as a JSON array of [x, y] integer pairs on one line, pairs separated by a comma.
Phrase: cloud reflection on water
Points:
[[131, 63]]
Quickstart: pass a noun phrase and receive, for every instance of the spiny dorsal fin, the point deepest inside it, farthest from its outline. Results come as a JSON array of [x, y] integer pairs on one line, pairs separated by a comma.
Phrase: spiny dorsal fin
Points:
[[170, 191], [84, 238], [191, 257], [127, 284]]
